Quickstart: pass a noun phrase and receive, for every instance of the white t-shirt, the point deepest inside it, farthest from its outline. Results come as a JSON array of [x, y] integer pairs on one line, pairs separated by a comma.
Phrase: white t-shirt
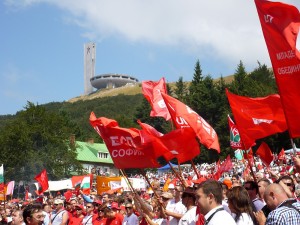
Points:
[[130, 220], [88, 220], [176, 207], [244, 219], [189, 218], [220, 217]]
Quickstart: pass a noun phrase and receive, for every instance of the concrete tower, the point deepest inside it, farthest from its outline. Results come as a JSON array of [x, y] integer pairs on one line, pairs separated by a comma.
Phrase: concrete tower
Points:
[[89, 66]]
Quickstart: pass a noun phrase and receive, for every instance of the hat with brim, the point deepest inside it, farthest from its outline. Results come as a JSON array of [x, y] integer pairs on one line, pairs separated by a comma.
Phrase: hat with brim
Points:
[[166, 195]]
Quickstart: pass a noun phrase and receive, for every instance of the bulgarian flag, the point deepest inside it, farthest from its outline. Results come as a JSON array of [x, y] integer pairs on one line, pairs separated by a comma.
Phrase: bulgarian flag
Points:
[[85, 185], [82, 182], [291, 170]]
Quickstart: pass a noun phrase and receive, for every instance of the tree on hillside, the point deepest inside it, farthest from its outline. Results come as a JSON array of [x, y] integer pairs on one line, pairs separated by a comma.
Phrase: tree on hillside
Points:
[[198, 77], [180, 89], [37, 140], [239, 83], [263, 81], [195, 88]]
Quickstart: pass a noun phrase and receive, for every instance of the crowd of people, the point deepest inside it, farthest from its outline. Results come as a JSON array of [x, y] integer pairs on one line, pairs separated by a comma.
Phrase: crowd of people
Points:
[[265, 197]]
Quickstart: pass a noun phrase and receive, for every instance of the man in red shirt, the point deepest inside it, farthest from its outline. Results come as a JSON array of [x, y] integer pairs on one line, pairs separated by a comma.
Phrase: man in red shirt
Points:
[[112, 216]]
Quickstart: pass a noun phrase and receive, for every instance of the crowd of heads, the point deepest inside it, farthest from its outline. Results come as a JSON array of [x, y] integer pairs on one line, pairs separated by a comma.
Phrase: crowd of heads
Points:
[[240, 194]]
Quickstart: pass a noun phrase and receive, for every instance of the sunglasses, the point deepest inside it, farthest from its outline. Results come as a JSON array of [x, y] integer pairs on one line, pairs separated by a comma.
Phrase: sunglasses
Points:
[[128, 207], [100, 211], [288, 184], [88, 206], [78, 209]]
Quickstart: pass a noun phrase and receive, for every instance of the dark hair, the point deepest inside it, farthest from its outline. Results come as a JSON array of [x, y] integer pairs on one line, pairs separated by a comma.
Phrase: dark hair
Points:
[[189, 192], [239, 198], [212, 187], [253, 185], [30, 209], [235, 176], [224, 186], [286, 177]]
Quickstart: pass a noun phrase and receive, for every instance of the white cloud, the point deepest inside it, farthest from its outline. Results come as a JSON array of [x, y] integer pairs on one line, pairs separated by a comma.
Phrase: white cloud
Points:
[[227, 30]]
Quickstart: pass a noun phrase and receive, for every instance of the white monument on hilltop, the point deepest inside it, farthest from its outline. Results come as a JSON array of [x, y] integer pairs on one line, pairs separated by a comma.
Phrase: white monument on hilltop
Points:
[[89, 66]]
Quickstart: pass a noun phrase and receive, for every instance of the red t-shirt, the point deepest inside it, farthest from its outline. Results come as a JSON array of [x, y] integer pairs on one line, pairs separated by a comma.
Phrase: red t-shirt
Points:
[[99, 221], [75, 220], [115, 221]]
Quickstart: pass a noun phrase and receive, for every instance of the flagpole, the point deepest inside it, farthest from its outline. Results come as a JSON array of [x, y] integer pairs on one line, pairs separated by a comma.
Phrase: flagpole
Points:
[[154, 191], [149, 183], [294, 146], [195, 169], [178, 176], [127, 181], [251, 169]]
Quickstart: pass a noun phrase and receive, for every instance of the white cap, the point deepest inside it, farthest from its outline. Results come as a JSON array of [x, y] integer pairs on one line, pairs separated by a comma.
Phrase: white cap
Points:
[[171, 186]]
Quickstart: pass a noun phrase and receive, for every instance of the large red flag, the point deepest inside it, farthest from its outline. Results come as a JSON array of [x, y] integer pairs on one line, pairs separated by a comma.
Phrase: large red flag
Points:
[[183, 116], [280, 25], [235, 139], [123, 144], [42, 178], [265, 154], [152, 91], [179, 143], [257, 117]]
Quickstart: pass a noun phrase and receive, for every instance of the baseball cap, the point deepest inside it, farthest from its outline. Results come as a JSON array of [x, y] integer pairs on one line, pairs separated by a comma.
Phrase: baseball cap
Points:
[[58, 201], [114, 205]]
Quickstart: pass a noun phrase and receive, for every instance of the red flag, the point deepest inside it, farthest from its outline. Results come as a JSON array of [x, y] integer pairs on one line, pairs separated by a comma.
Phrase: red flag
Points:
[[280, 25], [235, 140], [26, 195], [68, 194], [123, 144], [2, 185], [225, 167], [42, 178], [248, 154], [260, 167], [257, 117], [246, 173], [179, 143], [265, 154], [184, 116], [281, 155], [151, 90]]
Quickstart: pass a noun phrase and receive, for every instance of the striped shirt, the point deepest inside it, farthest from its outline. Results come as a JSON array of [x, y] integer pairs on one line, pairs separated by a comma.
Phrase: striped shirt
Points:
[[284, 215]]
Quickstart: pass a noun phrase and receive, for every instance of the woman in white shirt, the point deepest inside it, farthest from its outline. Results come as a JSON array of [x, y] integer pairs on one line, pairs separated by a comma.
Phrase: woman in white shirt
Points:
[[239, 204]]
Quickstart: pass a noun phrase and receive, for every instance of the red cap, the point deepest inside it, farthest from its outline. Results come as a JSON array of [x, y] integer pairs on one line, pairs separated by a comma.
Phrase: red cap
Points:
[[98, 202], [79, 206], [200, 180], [114, 205]]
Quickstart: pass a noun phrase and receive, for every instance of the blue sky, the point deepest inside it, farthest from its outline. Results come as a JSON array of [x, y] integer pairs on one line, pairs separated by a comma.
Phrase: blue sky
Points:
[[41, 54]]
